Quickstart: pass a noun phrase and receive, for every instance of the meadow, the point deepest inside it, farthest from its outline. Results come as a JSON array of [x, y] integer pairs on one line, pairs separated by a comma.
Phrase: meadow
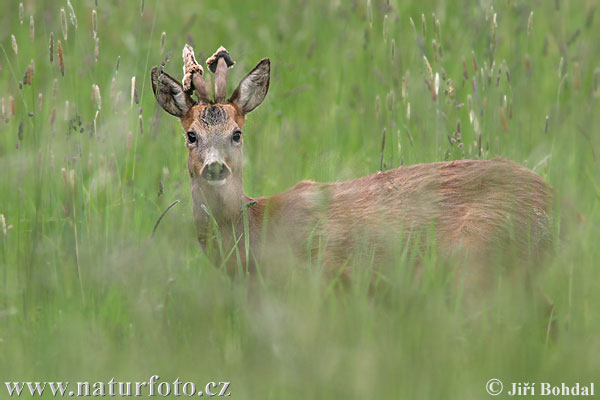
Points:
[[89, 162]]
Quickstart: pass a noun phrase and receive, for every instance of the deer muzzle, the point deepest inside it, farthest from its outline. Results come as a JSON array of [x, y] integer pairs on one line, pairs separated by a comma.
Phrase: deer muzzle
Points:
[[215, 172]]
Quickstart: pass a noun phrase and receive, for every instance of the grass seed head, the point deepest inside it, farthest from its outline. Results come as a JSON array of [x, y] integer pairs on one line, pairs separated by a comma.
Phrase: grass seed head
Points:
[[61, 57], [13, 108], [40, 101], [94, 23], [15, 47], [560, 67], [31, 28], [96, 96], [51, 47], [72, 15], [385, 28], [529, 23], [163, 38], [428, 67], [63, 23], [132, 90], [21, 12]]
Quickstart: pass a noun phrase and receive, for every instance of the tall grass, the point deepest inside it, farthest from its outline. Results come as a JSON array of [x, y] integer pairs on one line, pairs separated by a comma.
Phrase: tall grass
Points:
[[88, 162]]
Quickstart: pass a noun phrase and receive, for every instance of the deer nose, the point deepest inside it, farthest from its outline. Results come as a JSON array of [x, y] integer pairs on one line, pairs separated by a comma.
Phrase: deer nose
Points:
[[215, 171]]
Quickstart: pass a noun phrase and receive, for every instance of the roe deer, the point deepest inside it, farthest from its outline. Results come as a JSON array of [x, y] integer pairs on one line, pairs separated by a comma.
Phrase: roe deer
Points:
[[474, 206]]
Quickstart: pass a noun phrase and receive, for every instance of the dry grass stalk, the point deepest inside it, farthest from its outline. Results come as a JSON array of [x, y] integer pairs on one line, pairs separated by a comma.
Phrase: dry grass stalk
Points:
[[414, 28], [13, 108], [52, 118], [66, 110], [40, 101], [113, 87], [141, 124], [560, 67], [529, 23], [163, 38], [95, 124], [20, 131], [118, 101], [423, 25], [132, 91], [61, 57], [54, 88], [51, 47], [385, 28], [63, 23], [382, 153], [31, 28], [95, 23], [389, 101], [14, 44], [72, 15], [28, 76], [97, 99], [428, 67], [503, 119], [499, 74], [21, 12], [97, 49], [475, 66]]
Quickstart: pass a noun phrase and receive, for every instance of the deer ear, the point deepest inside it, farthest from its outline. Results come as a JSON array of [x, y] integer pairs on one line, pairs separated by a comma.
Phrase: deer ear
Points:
[[169, 93], [253, 88]]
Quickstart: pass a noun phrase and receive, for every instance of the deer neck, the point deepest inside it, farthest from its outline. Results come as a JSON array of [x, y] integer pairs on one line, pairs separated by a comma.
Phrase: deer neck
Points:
[[220, 204]]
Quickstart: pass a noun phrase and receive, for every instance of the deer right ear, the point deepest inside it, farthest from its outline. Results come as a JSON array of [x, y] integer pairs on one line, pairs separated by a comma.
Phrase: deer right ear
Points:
[[169, 93], [253, 88]]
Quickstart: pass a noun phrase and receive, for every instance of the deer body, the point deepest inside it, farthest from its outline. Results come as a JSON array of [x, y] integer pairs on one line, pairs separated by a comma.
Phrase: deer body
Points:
[[472, 206]]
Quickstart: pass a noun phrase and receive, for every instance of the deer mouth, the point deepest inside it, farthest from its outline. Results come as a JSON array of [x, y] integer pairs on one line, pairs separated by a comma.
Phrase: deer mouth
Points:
[[219, 182]]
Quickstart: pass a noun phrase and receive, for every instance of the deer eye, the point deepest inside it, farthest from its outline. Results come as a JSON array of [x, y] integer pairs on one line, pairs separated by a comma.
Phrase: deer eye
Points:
[[191, 137], [237, 136]]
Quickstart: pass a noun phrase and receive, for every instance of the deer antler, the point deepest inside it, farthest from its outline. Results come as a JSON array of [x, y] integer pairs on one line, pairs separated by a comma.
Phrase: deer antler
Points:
[[193, 75], [218, 64]]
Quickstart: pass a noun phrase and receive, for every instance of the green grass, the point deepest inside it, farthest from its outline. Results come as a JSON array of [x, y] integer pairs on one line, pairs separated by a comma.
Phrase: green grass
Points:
[[87, 294]]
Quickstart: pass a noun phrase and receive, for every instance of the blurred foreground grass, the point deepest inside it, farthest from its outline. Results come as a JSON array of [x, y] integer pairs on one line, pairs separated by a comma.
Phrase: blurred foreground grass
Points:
[[87, 294]]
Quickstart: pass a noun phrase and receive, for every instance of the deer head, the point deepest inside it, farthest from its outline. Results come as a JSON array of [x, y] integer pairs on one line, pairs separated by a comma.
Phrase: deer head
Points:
[[213, 128]]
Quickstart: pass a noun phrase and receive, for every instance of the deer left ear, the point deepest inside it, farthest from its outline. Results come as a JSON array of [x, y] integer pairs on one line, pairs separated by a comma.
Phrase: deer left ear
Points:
[[169, 93], [253, 88]]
